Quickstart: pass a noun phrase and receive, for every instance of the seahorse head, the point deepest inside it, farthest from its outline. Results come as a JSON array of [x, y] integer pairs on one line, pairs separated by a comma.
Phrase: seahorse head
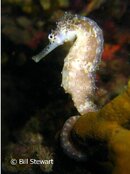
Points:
[[59, 37], [64, 32]]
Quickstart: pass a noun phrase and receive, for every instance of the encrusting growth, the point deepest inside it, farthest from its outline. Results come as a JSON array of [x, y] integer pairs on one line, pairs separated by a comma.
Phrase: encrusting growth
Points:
[[78, 75], [110, 124]]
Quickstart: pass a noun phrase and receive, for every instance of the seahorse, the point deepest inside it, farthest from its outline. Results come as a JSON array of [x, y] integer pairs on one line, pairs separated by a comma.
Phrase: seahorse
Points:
[[80, 64]]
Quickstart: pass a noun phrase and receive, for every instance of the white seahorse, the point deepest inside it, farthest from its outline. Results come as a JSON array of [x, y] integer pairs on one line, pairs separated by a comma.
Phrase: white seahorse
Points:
[[78, 75]]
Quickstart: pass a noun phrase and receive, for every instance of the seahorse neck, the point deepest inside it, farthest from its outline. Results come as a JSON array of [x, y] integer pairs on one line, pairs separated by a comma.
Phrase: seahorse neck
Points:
[[79, 49]]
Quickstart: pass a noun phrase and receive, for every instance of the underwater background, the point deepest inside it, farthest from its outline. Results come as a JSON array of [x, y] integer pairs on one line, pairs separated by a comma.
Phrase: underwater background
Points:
[[34, 105]]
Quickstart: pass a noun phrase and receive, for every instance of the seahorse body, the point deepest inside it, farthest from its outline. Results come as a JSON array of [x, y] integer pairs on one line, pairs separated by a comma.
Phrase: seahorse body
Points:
[[78, 75], [81, 62]]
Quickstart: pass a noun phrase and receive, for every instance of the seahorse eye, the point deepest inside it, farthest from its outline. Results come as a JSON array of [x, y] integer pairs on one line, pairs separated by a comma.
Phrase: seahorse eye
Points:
[[51, 37]]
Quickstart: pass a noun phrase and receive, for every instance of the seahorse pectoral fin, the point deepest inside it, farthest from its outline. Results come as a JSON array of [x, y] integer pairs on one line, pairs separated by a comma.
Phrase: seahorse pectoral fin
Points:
[[45, 51]]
